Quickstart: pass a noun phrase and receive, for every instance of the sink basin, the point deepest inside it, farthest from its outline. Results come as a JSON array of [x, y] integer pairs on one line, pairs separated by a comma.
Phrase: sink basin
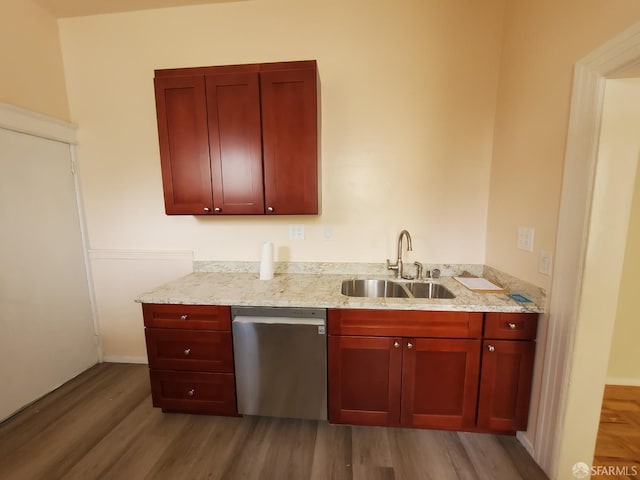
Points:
[[389, 288], [429, 290], [373, 288]]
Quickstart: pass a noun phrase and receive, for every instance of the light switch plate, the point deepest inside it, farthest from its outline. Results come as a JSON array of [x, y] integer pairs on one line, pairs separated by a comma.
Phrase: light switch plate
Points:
[[525, 238], [296, 231], [545, 262]]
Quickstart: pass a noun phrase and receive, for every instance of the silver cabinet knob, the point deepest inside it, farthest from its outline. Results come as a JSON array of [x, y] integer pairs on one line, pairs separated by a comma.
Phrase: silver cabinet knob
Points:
[[409, 345], [270, 209], [511, 325], [217, 209], [184, 317], [206, 209], [187, 351], [396, 345], [491, 348], [191, 392]]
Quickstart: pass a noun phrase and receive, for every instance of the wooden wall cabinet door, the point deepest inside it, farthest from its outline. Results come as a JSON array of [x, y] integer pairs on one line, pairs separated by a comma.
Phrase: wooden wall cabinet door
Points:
[[239, 139], [364, 380], [184, 145], [440, 383], [505, 385], [233, 106], [289, 135]]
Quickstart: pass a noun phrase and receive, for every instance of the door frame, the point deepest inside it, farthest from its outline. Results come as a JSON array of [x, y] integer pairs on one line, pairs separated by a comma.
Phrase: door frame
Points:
[[572, 337]]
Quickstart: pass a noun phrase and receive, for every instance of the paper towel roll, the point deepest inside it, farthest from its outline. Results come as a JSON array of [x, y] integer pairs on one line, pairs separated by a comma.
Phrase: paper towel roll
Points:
[[266, 261]]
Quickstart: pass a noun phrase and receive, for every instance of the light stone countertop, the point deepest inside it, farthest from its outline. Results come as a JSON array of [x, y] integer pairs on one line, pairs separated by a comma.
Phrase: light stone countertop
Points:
[[322, 290]]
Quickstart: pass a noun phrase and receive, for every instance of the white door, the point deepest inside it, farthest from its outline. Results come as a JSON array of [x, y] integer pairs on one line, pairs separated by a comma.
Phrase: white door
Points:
[[46, 327]]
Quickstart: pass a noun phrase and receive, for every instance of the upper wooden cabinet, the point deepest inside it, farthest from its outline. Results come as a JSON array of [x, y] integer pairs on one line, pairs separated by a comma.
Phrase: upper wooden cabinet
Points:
[[239, 139]]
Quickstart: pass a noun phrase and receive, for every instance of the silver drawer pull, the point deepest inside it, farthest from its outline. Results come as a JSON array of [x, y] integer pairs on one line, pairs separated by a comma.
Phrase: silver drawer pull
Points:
[[187, 351], [396, 345], [191, 392], [409, 345], [184, 317], [511, 325], [491, 348]]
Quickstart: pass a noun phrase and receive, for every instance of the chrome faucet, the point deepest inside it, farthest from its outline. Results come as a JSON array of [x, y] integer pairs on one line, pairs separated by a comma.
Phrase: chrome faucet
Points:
[[398, 266]]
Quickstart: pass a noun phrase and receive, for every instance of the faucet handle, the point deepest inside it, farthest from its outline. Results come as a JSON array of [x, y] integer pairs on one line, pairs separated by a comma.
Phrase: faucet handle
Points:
[[419, 267], [391, 266]]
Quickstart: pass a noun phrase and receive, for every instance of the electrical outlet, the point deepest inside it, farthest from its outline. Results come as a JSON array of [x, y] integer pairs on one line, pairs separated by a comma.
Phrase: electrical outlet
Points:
[[327, 232], [545, 262], [525, 238], [296, 231]]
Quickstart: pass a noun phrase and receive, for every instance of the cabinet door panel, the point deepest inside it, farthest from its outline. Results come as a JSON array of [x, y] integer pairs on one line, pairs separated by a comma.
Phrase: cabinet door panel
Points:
[[440, 383], [184, 144], [196, 350], [289, 129], [190, 317], [233, 106], [364, 380], [194, 392], [505, 385]]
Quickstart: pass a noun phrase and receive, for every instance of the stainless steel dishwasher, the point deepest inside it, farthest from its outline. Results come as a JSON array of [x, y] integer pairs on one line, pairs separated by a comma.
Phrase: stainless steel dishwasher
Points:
[[280, 357]]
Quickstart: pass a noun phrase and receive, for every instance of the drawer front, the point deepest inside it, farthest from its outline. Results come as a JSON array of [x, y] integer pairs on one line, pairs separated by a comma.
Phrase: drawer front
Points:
[[511, 326], [194, 350], [194, 317], [405, 323], [194, 392]]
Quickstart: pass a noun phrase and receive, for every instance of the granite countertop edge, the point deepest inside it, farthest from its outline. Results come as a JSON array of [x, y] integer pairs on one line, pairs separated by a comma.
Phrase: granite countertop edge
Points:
[[322, 290]]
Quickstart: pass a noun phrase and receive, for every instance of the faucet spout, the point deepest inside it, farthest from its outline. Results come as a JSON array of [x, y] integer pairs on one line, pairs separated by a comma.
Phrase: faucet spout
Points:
[[399, 266]]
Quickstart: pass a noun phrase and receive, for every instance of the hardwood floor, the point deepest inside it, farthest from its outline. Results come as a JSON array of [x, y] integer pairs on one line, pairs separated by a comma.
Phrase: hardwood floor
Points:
[[101, 425], [618, 442]]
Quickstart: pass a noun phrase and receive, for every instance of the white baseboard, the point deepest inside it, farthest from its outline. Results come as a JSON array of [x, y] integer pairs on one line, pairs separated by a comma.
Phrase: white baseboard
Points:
[[526, 443], [631, 382], [119, 359]]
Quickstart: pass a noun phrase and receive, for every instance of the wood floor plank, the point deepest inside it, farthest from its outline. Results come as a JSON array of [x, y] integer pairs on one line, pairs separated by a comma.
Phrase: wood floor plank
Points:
[[102, 426], [429, 454], [488, 457], [332, 457], [370, 446], [67, 438], [618, 440]]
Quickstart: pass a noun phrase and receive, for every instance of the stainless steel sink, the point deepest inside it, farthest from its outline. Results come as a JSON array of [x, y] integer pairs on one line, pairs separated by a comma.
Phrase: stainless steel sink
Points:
[[373, 288], [429, 290], [391, 289]]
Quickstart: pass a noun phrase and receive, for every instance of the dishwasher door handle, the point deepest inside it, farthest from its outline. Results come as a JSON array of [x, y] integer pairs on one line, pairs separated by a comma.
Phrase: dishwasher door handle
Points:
[[279, 320]]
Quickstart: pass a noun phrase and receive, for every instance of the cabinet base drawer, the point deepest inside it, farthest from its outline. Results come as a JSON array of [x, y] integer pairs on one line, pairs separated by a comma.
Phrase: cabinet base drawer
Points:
[[191, 350], [194, 392], [193, 317]]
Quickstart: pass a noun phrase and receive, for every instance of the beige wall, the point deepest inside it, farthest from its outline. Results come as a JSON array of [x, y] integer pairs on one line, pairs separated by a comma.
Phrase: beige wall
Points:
[[408, 98], [32, 75], [621, 140], [542, 42]]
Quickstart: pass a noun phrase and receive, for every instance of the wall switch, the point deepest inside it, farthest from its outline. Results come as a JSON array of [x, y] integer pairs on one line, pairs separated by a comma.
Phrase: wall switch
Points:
[[327, 232], [545, 262], [296, 231], [525, 238]]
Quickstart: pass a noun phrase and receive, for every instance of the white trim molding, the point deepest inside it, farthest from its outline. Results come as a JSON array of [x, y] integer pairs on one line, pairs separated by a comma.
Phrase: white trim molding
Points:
[[114, 254], [25, 121], [558, 387]]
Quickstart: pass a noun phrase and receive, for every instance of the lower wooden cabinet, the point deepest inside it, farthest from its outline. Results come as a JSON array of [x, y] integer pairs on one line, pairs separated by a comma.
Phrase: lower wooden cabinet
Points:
[[442, 380], [193, 392], [411, 382], [190, 354], [364, 380], [505, 384]]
